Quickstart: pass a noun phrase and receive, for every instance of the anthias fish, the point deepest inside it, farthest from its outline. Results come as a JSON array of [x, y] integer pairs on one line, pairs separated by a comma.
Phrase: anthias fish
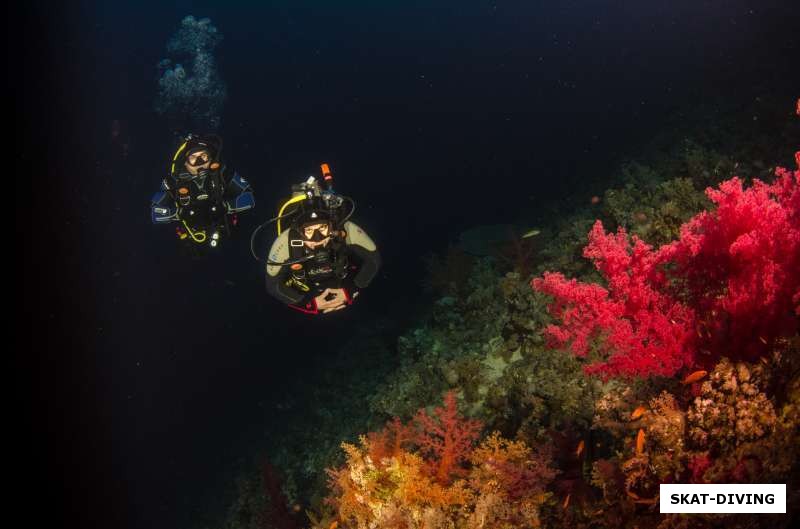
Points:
[[691, 378], [640, 441], [638, 412]]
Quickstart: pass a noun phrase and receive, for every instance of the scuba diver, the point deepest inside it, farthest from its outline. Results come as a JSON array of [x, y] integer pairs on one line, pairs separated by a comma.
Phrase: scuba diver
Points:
[[199, 195], [321, 259]]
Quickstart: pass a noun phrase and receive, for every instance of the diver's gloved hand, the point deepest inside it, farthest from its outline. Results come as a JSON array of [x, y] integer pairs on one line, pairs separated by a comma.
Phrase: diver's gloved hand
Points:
[[332, 299]]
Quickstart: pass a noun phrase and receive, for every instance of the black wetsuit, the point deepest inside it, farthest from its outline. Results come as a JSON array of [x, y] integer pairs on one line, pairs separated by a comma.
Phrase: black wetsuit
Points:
[[350, 267], [204, 203]]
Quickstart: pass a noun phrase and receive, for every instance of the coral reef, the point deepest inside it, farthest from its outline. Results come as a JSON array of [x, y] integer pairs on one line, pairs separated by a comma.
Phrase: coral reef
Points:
[[446, 438], [731, 408], [633, 326], [654, 212], [737, 265], [395, 479], [731, 279], [699, 378], [731, 431], [191, 98]]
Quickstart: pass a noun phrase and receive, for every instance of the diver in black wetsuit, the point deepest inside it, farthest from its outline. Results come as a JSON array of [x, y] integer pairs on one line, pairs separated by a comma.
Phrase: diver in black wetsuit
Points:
[[199, 195], [322, 260]]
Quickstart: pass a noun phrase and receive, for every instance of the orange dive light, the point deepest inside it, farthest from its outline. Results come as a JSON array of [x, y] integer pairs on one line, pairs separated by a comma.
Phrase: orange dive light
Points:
[[326, 172]]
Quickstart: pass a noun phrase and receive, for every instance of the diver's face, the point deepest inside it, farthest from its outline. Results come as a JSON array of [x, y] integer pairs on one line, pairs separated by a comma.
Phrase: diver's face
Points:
[[309, 232], [197, 161]]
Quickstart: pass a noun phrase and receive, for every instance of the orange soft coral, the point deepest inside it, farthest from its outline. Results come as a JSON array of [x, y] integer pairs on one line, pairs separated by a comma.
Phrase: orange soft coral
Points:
[[446, 438]]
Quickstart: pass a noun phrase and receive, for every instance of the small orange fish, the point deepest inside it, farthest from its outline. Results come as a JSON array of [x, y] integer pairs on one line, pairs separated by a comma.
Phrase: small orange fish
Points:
[[595, 199], [566, 501], [694, 377], [763, 340], [638, 412], [640, 441], [334, 525], [646, 501], [632, 494], [579, 449]]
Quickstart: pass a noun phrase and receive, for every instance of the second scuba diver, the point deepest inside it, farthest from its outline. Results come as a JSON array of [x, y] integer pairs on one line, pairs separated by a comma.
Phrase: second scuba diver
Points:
[[199, 195], [323, 259]]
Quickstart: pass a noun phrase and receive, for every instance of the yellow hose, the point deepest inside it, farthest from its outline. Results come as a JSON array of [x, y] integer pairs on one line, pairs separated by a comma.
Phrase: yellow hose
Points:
[[292, 200], [174, 158], [197, 236]]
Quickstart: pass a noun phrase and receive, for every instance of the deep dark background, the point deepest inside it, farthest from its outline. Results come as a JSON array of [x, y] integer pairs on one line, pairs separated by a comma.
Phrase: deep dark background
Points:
[[148, 374]]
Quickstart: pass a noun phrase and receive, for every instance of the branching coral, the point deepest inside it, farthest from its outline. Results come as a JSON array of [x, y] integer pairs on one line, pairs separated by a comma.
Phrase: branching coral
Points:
[[731, 280], [504, 482], [445, 438], [511, 467], [509, 480], [737, 265], [636, 328]]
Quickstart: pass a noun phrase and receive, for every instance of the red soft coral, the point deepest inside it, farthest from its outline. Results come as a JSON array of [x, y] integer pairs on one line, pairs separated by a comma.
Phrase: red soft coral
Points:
[[729, 286], [739, 265], [642, 331], [446, 438]]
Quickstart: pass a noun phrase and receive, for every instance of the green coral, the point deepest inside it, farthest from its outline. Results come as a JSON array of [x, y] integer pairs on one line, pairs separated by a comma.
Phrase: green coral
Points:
[[447, 350], [656, 210]]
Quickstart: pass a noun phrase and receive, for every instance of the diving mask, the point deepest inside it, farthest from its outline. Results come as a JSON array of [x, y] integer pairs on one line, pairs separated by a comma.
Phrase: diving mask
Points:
[[316, 232], [198, 158]]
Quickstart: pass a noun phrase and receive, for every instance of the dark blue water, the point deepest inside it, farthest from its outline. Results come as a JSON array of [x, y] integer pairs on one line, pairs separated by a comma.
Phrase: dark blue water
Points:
[[150, 372]]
